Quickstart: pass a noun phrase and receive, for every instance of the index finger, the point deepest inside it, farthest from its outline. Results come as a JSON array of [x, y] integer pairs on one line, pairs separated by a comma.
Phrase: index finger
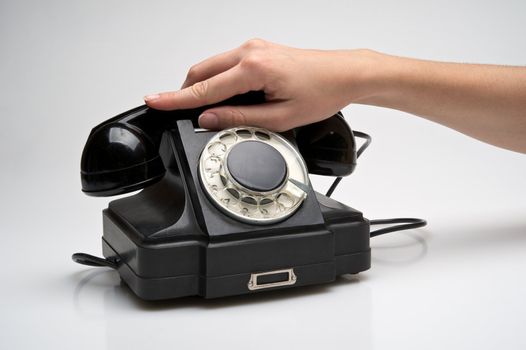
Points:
[[215, 89]]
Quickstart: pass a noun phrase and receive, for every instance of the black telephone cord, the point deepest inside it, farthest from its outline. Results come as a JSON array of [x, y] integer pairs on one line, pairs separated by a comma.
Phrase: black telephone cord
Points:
[[366, 144], [405, 223], [91, 260]]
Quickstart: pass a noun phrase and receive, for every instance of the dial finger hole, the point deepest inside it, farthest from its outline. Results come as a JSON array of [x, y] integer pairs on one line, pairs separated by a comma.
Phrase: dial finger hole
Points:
[[223, 179], [228, 138], [265, 201], [244, 133], [212, 178], [249, 200], [262, 135], [212, 164], [233, 192], [268, 207], [285, 200], [217, 149]]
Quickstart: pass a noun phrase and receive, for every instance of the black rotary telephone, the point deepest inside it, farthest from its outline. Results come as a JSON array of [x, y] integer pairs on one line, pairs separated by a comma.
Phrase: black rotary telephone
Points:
[[223, 213]]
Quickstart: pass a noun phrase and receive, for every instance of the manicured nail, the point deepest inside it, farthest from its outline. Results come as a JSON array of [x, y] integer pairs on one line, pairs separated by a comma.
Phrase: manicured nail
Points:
[[149, 98], [208, 121]]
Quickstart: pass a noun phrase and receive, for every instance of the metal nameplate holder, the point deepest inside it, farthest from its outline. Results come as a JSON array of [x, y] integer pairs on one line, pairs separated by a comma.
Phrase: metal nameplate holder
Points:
[[253, 283]]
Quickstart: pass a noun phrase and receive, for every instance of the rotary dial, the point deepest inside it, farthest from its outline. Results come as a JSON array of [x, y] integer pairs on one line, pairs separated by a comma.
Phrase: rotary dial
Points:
[[253, 175]]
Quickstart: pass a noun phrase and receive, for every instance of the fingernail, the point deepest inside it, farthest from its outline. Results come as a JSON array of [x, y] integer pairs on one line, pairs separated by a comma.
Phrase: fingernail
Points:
[[208, 121], [151, 97]]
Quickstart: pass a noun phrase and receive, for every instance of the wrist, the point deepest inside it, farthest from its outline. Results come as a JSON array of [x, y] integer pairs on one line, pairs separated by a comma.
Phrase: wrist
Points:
[[370, 75]]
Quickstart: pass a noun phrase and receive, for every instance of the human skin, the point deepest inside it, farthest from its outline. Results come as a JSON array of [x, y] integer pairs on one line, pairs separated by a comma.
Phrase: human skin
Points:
[[302, 86]]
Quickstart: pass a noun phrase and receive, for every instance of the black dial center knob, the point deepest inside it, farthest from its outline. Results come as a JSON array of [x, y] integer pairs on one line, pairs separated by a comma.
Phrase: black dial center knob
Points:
[[257, 166]]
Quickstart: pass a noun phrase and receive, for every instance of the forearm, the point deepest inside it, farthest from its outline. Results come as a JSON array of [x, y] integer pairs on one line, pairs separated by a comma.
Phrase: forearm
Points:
[[486, 102], [303, 86]]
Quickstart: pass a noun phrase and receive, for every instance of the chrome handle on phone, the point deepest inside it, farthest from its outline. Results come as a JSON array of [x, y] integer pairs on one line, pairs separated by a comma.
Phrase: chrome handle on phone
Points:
[[254, 284]]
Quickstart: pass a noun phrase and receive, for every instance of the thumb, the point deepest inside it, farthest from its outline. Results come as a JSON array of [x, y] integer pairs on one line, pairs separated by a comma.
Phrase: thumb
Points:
[[274, 116]]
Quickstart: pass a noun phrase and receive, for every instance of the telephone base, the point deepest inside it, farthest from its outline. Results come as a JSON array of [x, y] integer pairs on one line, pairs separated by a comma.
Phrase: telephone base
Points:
[[179, 268], [189, 285], [171, 241]]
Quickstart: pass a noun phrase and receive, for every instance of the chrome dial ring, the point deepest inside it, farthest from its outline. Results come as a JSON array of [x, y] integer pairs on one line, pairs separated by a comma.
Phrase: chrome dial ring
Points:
[[240, 202]]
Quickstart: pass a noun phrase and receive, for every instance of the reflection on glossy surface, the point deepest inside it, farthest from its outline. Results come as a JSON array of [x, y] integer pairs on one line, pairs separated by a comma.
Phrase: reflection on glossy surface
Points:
[[126, 321], [95, 280], [116, 146], [119, 158], [123, 137], [409, 248]]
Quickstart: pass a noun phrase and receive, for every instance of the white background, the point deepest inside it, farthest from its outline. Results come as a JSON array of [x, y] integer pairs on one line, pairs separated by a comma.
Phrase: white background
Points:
[[67, 65]]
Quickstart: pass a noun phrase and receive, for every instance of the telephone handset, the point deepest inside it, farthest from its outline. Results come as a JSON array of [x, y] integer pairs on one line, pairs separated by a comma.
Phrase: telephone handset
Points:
[[122, 154], [222, 212]]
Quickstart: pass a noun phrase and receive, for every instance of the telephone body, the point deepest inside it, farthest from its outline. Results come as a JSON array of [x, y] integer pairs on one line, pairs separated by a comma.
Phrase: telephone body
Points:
[[222, 212]]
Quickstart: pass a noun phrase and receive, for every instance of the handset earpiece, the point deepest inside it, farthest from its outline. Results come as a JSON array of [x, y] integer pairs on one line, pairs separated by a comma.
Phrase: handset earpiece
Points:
[[119, 158], [328, 147], [122, 154]]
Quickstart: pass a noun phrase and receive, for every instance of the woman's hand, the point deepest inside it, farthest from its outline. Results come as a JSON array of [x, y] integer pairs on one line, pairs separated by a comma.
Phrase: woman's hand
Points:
[[487, 102], [301, 86]]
